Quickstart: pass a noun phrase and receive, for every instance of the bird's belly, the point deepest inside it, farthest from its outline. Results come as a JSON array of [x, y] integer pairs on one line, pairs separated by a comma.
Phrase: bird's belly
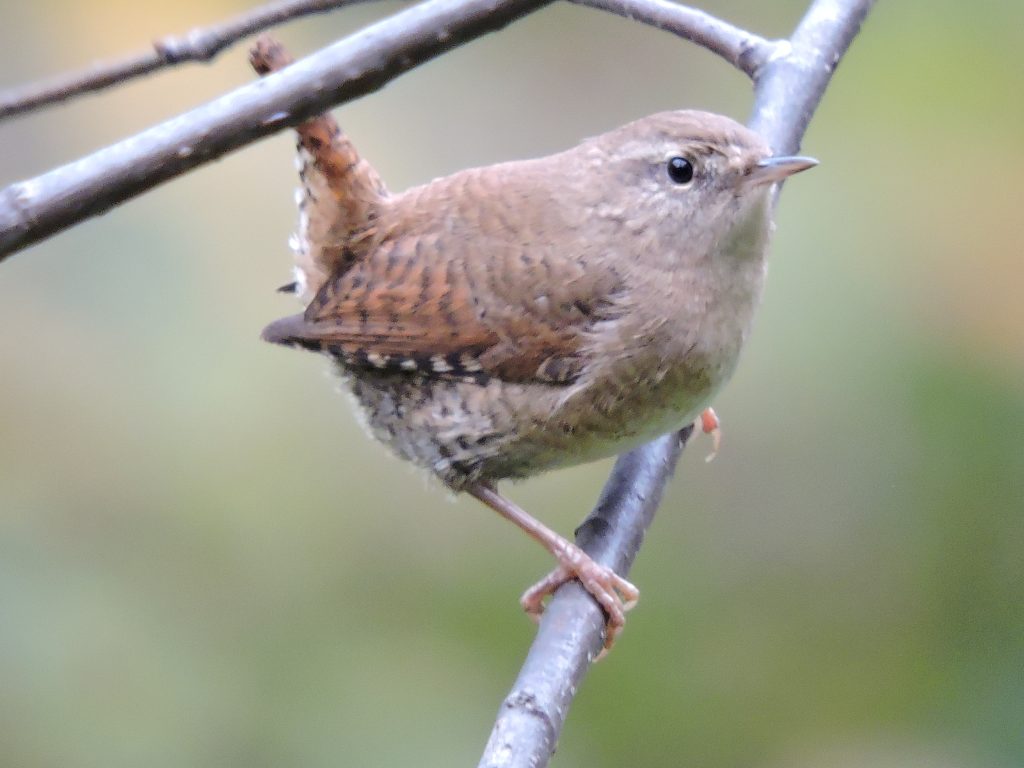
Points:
[[464, 431], [622, 414]]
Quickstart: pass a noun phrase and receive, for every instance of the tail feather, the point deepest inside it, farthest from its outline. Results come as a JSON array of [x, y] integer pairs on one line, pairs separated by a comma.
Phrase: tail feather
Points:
[[339, 194], [290, 332]]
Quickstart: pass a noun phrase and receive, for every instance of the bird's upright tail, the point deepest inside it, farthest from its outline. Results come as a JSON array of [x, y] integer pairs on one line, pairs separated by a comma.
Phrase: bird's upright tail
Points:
[[338, 195]]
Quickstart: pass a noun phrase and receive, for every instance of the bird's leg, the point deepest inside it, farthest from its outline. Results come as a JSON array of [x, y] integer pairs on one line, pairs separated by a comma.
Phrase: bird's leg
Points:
[[710, 425], [613, 593]]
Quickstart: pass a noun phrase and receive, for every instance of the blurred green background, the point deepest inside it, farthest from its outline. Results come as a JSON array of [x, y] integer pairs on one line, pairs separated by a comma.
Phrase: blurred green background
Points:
[[204, 562]]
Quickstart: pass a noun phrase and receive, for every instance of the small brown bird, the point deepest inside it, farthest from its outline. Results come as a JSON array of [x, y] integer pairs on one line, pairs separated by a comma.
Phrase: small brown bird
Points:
[[511, 319]]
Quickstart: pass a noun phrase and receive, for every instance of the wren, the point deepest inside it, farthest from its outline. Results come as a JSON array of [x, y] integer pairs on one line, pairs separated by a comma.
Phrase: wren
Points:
[[512, 319]]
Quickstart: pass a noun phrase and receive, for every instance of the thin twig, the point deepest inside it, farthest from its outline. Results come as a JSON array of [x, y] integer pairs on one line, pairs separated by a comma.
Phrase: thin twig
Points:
[[34, 209], [530, 720], [37, 208], [199, 45], [744, 50]]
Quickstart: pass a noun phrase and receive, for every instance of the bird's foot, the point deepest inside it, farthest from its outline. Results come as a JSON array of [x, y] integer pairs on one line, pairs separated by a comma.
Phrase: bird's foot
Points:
[[710, 425], [613, 593]]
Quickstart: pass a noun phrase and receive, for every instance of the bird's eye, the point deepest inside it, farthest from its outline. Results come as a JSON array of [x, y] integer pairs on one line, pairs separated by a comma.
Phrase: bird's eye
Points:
[[680, 170]]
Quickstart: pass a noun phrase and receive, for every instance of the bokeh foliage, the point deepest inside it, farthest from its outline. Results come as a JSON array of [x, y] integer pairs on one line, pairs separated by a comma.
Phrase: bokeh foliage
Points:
[[203, 561]]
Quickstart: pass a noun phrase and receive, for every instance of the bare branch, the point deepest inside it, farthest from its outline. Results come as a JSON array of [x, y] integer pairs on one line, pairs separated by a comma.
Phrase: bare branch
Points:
[[199, 45], [34, 209], [530, 720], [571, 632], [37, 208], [790, 87], [744, 50]]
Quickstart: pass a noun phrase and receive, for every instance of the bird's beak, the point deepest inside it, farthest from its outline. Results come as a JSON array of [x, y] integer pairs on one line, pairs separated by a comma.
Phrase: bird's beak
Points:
[[773, 169]]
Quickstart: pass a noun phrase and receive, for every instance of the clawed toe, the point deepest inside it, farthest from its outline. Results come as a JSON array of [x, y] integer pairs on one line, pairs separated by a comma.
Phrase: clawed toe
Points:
[[613, 593], [710, 425], [533, 598]]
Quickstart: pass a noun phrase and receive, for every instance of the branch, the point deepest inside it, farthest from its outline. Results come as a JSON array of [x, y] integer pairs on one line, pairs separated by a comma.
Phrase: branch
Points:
[[199, 45], [744, 50], [790, 87], [35, 209], [571, 631], [530, 720]]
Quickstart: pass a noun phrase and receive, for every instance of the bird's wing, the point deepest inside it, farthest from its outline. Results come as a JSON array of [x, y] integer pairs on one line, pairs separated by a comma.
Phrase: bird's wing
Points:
[[506, 310]]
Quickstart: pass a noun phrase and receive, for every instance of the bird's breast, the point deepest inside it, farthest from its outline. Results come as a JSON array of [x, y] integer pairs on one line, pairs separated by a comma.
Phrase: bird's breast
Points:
[[665, 357]]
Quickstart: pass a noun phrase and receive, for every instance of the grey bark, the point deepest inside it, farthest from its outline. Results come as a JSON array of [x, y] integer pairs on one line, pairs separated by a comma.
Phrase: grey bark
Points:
[[37, 208]]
